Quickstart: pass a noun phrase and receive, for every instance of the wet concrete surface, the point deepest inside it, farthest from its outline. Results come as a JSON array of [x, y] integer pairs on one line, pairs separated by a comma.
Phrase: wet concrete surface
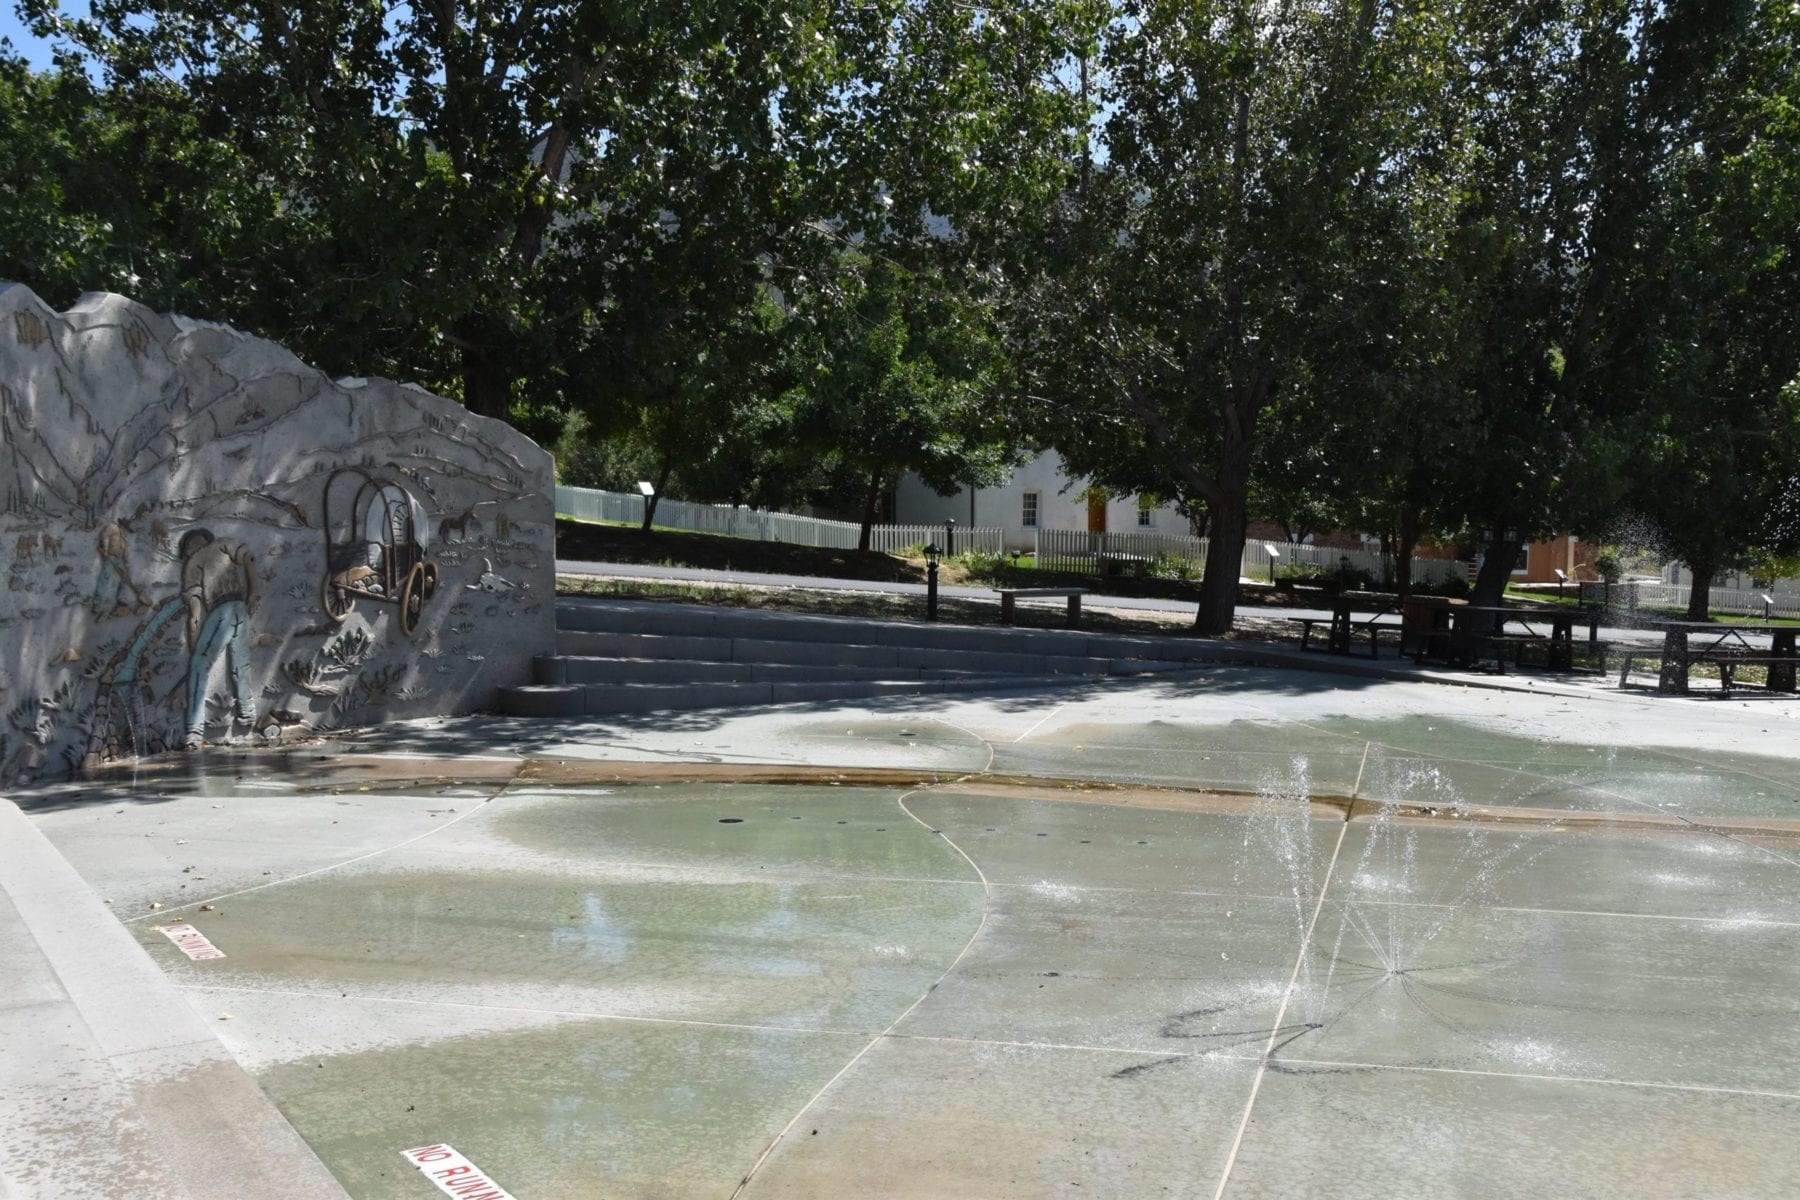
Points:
[[1109, 940]]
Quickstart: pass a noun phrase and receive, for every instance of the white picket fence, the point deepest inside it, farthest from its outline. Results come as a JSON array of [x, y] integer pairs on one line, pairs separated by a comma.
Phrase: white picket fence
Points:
[[1129, 553], [592, 504], [1673, 595], [1071, 550], [1432, 571]]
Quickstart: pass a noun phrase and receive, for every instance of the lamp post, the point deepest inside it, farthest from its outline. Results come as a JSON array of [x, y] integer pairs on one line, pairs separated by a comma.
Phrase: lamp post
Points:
[[931, 569], [1274, 557], [950, 537], [1768, 608]]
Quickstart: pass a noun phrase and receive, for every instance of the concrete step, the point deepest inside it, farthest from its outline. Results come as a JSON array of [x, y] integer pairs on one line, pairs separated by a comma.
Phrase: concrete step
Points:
[[636, 656], [590, 669], [818, 652], [593, 615], [576, 700]]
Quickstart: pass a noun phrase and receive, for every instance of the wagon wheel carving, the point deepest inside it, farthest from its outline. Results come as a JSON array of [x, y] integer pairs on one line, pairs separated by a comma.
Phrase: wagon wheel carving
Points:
[[412, 599], [336, 602]]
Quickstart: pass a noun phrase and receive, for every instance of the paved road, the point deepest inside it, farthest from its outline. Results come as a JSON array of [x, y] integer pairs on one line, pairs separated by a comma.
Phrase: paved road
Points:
[[1140, 603]]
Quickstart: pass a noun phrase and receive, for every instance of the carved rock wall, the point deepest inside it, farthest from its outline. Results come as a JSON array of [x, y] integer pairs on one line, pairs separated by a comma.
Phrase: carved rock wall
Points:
[[205, 540]]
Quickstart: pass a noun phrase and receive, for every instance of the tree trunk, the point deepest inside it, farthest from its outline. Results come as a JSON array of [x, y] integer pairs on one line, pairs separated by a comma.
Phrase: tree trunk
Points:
[[1411, 523], [1496, 569], [487, 388], [654, 498], [869, 503], [1228, 511], [1698, 606], [1224, 559]]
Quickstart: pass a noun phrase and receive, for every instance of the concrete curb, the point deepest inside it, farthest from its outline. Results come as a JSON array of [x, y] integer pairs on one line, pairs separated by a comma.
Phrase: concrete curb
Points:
[[166, 1110]]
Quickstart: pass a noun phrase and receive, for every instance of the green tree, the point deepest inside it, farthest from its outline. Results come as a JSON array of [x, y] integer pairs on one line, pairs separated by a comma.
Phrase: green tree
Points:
[[1568, 112], [896, 375], [1721, 422], [1209, 236], [114, 188], [420, 175], [1365, 434]]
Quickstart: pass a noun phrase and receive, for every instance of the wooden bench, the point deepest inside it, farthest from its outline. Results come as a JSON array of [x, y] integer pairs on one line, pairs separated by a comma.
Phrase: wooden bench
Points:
[[1727, 660], [1306, 624], [1498, 642], [1372, 627], [1598, 649], [1008, 595], [1729, 663]]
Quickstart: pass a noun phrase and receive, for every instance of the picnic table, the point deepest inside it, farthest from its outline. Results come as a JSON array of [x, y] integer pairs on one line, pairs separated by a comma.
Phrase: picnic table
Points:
[[1687, 643], [1344, 626], [1559, 650], [1466, 631]]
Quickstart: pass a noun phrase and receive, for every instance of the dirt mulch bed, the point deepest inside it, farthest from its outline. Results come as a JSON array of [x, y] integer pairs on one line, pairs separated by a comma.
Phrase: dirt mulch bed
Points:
[[581, 542]]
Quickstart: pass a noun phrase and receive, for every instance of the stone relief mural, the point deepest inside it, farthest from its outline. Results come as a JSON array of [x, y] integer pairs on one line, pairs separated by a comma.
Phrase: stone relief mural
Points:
[[204, 540]]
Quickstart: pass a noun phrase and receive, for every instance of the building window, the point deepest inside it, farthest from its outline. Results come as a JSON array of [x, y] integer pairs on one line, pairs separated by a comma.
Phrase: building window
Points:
[[1028, 514], [1146, 513]]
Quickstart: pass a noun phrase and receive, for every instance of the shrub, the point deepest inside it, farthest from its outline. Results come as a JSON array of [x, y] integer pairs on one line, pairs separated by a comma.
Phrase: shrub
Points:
[[1351, 579], [1456, 589], [1172, 566], [984, 564]]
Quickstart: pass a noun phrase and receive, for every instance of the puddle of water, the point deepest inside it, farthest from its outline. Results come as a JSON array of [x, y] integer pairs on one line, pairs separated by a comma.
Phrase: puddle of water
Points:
[[920, 732], [856, 831], [589, 1108], [776, 952], [1481, 765], [1046, 843]]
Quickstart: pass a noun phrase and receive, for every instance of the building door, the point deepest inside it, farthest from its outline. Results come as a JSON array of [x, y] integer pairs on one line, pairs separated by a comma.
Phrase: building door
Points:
[[1096, 510]]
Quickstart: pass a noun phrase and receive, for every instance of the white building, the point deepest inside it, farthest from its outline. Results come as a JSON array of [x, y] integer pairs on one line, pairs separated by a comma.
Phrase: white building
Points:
[[1038, 496]]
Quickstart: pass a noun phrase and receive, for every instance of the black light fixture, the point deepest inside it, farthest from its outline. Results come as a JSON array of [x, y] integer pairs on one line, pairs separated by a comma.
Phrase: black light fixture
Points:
[[932, 554]]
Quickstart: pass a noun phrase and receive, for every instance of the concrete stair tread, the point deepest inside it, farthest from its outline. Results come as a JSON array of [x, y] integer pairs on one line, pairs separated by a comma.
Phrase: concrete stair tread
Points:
[[574, 700], [812, 651], [582, 614], [599, 668], [630, 656]]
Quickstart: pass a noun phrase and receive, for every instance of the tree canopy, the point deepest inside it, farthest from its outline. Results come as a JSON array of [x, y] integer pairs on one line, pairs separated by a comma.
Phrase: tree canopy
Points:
[[1483, 271]]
